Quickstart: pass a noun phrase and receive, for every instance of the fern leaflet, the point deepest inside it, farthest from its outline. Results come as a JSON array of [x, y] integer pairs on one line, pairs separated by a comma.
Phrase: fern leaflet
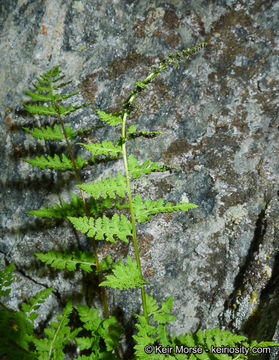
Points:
[[40, 109], [149, 334], [104, 148], [55, 162], [103, 227], [133, 133], [144, 210], [106, 188], [137, 170], [6, 279], [125, 276], [49, 133], [74, 208], [68, 260], [110, 119], [35, 303], [38, 97], [106, 330]]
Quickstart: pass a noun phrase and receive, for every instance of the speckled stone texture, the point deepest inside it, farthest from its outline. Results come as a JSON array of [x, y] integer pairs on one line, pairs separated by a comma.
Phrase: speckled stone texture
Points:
[[219, 118]]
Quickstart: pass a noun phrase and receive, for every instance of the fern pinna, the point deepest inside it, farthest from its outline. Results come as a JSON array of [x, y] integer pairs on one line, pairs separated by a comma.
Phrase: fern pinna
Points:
[[98, 338]]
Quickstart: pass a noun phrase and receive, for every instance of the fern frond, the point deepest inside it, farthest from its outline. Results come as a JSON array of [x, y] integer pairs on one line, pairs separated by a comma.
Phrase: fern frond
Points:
[[68, 260], [54, 133], [6, 279], [110, 119], [103, 227], [106, 188], [104, 148], [35, 303], [144, 210], [125, 276], [52, 347], [55, 162], [137, 170]]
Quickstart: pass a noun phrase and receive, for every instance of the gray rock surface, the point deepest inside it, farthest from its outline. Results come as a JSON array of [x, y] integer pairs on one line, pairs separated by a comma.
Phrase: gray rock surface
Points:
[[219, 118]]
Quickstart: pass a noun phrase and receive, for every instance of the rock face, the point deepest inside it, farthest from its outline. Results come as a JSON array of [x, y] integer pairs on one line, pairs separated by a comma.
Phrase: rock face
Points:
[[219, 118]]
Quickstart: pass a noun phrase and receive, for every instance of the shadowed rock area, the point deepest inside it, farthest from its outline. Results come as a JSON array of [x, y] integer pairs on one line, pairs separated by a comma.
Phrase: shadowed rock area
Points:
[[219, 123]]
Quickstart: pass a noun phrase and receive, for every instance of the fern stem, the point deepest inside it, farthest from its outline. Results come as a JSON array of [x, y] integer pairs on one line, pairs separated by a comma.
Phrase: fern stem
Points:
[[93, 243], [133, 220], [127, 109]]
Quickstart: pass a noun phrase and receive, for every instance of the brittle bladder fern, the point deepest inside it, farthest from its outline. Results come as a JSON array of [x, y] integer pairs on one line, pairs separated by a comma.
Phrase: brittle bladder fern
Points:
[[100, 337]]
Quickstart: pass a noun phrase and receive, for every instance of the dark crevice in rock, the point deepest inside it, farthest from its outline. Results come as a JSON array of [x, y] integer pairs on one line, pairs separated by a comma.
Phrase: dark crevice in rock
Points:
[[23, 273], [243, 275], [262, 325]]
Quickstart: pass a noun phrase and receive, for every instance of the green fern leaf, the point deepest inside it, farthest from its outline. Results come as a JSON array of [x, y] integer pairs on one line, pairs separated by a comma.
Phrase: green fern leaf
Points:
[[125, 276], [59, 97], [160, 315], [40, 109], [6, 279], [70, 108], [137, 170], [49, 133], [110, 119], [132, 129], [146, 336], [144, 210], [90, 317], [52, 73], [110, 331], [141, 84], [104, 227], [104, 148], [107, 331], [35, 303], [80, 162], [106, 188], [68, 260], [38, 97], [106, 263], [75, 208], [55, 162], [42, 89], [52, 347]]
